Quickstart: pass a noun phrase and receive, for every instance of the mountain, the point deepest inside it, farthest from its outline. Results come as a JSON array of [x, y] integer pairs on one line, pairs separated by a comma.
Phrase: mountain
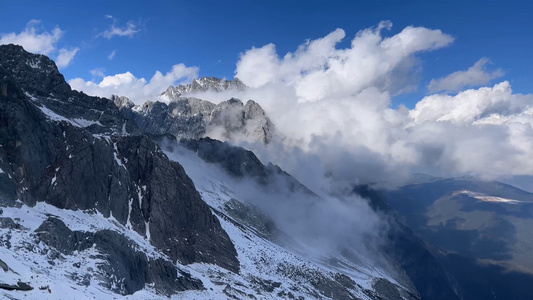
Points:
[[204, 84], [192, 118], [409, 251], [69, 151], [101, 198], [480, 231]]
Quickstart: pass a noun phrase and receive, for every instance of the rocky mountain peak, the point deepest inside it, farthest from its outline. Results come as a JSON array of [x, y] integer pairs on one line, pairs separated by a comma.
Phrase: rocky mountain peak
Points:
[[203, 84], [37, 78], [35, 73], [192, 118], [232, 120], [122, 101]]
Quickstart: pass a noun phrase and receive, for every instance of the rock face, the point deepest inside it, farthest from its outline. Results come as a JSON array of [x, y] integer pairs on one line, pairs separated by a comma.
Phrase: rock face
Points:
[[121, 101], [204, 84], [132, 268], [25, 74], [184, 118], [78, 152], [242, 163], [230, 120], [193, 118]]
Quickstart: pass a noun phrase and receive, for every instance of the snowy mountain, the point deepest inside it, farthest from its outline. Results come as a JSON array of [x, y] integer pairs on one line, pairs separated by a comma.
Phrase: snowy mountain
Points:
[[99, 200], [204, 84]]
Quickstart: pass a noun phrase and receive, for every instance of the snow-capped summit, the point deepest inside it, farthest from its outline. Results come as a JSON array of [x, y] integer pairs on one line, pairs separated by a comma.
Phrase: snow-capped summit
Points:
[[203, 84]]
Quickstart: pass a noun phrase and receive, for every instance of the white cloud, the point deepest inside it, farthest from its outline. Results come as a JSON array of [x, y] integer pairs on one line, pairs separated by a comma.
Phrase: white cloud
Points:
[[129, 30], [34, 38], [318, 69], [65, 57], [464, 108], [112, 55], [487, 132], [97, 72], [333, 104], [474, 76], [137, 89]]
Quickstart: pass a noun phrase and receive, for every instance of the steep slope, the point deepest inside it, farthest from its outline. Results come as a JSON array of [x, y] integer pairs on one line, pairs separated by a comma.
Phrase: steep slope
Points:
[[411, 253], [228, 183], [75, 152], [481, 230]]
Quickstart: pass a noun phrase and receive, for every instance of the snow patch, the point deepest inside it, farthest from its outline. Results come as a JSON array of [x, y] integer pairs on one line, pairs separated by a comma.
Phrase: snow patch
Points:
[[53, 116], [486, 198], [82, 123]]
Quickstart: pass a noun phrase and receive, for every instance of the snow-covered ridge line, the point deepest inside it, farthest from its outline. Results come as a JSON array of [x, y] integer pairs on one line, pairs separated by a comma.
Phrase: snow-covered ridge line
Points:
[[51, 115], [486, 198]]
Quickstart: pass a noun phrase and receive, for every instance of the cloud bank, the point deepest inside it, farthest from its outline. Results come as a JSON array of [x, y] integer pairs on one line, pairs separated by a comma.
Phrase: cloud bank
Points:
[[129, 30], [65, 57], [474, 76], [34, 38], [318, 70], [333, 105], [138, 90]]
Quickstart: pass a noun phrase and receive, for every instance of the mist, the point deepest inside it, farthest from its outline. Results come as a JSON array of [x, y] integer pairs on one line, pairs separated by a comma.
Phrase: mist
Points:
[[318, 224]]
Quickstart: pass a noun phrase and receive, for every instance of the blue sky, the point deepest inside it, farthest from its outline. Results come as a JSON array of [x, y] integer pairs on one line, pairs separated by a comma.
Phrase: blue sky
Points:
[[461, 68], [211, 34]]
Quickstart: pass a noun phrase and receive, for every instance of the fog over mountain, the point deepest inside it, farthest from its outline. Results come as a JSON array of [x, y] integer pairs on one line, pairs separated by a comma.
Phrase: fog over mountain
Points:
[[335, 105], [298, 178], [154, 214]]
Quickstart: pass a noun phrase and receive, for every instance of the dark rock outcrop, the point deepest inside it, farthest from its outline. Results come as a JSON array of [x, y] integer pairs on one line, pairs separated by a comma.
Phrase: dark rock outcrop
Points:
[[20, 286], [54, 233], [39, 79], [8, 191], [128, 270]]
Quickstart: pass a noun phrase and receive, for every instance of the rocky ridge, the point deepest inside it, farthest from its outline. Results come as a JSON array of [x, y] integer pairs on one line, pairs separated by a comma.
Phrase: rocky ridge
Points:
[[204, 84], [192, 118]]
